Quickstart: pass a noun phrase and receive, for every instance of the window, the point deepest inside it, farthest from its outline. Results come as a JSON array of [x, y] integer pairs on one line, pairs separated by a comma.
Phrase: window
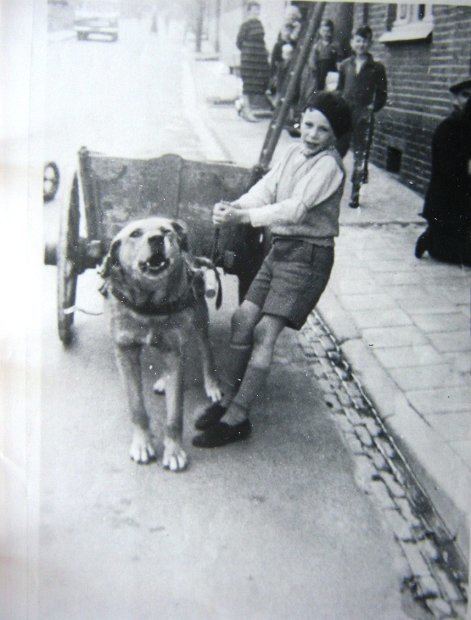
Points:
[[414, 22]]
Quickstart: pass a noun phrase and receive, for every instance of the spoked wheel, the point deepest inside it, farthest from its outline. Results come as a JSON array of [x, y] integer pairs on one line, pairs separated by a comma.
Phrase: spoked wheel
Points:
[[51, 178], [67, 264]]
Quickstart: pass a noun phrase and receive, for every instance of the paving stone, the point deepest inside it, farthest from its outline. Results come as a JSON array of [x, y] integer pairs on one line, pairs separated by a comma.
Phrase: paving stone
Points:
[[386, 317], [394, 487], [343, 423], [419, 305], [451, 589], [393, 266], [429, 587], [327, 343], [385, 447], [441, 322], [416, 355], [354, 443], [403, 336], [353, 416], [416, 561], [373, 427], [352, 388], [428, 402], [429, 550], [459, 361], [381, 390], [364, 472], [424, 377], [451, 341], [379, 460], [381, 494], [364, 436], [462, 449], [366, 302], [406, 511], [398, 524], [440, 608]]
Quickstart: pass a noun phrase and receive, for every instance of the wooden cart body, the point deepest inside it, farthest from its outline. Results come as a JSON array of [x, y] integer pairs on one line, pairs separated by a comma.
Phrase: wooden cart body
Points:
[[109, 192]]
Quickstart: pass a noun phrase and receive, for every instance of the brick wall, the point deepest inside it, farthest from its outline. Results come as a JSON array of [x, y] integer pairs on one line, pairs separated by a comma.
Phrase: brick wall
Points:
[[419, 75]]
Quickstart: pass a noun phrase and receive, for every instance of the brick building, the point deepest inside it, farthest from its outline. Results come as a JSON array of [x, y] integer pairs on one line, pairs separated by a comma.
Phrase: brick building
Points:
[[425, 49]]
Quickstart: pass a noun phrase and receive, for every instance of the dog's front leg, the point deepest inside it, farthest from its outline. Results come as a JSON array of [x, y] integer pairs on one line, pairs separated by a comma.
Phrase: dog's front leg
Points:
[[129, 362], [175, 457], [211, 383]]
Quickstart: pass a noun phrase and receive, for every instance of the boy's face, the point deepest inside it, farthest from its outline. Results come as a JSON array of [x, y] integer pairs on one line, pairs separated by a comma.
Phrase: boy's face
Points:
[[325, 32], [360, 45], [461, 98], [287, 52], [316, 131]]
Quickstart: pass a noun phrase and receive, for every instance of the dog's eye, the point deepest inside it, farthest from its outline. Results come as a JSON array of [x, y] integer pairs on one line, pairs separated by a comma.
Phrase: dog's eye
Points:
[[136, 233]]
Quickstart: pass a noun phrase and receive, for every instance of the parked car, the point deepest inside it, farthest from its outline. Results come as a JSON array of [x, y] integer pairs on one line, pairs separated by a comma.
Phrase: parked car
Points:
[[86, 24]]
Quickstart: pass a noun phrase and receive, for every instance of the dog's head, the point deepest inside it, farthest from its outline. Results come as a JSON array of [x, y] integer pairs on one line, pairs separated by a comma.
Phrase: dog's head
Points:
[[147, 252]]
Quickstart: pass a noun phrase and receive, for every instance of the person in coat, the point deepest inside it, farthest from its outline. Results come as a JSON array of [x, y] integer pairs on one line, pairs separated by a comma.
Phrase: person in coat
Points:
[[363, 84], [254, 68], [447, 205]]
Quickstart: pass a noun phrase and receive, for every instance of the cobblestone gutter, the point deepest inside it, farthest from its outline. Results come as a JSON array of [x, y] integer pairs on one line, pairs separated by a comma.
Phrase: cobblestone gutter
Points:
[[434, 572]]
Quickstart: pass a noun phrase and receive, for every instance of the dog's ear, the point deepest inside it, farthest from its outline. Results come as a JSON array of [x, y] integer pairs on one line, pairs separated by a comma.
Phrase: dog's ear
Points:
[[111, 259], [181, 231]]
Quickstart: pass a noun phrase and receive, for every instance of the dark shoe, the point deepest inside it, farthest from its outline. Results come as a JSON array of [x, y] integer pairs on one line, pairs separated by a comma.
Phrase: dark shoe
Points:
[[211, 415], [354, 203], [221, 434], [421, 245], [364, 178]]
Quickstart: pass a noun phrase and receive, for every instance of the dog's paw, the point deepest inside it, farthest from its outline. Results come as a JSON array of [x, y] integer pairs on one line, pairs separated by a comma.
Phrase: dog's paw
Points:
[[141, 450], [159, 386], [175, 457], [212, 389]]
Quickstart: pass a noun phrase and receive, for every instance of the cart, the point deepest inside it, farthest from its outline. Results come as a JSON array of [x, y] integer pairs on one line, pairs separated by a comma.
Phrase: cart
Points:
[[108, 192]]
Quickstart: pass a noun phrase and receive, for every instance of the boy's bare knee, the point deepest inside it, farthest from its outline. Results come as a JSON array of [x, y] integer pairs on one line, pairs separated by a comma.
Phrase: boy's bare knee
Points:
[[242, 326]]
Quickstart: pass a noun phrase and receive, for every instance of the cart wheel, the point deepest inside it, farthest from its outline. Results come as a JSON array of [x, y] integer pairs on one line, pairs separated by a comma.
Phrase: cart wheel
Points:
[[67, 272], [51, 179]]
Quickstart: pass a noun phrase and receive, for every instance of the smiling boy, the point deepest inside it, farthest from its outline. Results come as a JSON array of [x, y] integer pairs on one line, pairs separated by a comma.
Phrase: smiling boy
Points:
[[298, 200], [363, 84]]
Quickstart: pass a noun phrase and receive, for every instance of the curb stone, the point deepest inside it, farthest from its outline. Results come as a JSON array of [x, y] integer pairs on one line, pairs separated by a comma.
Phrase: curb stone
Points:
[[436, 576]]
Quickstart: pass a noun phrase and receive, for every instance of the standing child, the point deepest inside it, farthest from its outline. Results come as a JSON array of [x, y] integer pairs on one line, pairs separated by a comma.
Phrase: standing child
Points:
[[299, 201], [363, 84], [324, 56]]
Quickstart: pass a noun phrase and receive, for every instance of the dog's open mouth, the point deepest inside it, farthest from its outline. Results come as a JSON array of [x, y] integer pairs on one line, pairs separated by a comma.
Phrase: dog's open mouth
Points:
[[154, 265]]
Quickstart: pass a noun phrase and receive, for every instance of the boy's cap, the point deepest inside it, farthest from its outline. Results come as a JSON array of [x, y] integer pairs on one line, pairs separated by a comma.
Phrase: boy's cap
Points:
[[336, 110], [459, 86]]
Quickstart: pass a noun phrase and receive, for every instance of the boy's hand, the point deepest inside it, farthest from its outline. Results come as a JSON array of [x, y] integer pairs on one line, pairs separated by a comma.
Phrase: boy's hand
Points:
[[226, 213]]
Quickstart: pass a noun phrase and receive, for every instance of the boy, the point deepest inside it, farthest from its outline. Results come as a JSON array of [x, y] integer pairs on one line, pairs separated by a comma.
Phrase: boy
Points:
[[363, 84], [324, 55], [299, 201]]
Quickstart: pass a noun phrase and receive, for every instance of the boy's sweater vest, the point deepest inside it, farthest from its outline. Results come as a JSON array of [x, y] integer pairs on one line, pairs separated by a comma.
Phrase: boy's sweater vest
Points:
[[321, 222]]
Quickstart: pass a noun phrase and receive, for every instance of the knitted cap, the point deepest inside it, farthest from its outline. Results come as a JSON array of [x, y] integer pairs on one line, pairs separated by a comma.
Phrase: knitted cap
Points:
[[334, 107]]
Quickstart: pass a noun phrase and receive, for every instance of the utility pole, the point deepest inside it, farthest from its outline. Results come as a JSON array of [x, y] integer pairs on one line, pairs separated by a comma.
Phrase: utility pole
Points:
[[199, 24]]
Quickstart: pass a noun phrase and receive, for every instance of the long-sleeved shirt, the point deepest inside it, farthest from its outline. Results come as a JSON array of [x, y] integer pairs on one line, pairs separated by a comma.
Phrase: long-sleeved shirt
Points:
[[300, 196], [368, 86]]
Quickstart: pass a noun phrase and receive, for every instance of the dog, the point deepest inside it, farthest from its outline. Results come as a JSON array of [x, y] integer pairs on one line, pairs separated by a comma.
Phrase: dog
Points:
[[155, 297]]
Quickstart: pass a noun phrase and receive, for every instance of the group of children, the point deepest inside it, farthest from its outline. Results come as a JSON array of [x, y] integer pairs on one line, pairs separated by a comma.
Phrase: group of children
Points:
[[360, 79]]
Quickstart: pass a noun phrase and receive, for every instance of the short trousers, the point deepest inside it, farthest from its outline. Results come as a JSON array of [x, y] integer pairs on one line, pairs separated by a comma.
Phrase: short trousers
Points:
[[291, 280]]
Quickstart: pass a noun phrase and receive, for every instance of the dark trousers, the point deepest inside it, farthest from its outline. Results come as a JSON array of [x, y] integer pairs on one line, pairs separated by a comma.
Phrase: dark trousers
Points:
[[448, 245], [360, 142]]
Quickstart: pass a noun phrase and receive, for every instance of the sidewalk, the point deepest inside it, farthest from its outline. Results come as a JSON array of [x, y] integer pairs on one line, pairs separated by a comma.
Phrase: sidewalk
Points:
[[402, 323]]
